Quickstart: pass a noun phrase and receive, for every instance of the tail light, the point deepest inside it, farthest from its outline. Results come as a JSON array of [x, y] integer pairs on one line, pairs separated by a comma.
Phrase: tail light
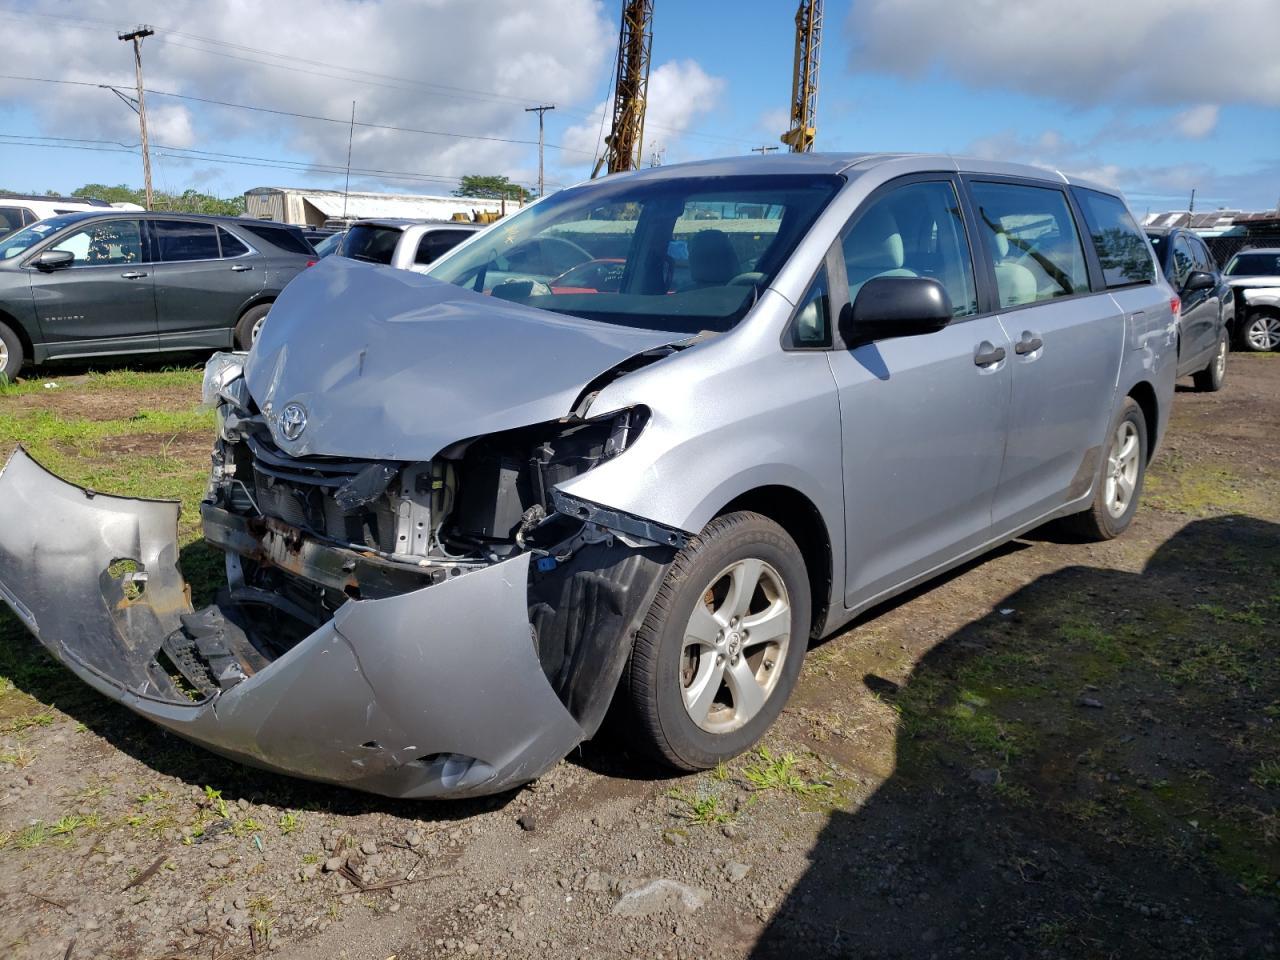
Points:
[[312, 263]]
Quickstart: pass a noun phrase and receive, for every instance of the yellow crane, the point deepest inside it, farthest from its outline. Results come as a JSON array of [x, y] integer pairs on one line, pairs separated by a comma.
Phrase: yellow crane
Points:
[[804, 81], [625, 142]]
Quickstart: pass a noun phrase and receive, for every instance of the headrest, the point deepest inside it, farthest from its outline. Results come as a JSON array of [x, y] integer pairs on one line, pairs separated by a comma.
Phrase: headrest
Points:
[[1002, 244], [876, 242], [712, 258]]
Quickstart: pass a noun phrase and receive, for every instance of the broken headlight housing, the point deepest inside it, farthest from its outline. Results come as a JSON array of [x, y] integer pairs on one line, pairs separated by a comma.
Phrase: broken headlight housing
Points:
[[221, 370]]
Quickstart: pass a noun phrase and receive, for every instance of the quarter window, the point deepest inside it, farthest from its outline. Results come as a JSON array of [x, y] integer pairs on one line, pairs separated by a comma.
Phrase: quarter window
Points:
[[438, 242], [182, 240], [231, 244], [1182, 264], [1031, 241], [812, 324], [1126, 258], [106, 242], [914, 231]]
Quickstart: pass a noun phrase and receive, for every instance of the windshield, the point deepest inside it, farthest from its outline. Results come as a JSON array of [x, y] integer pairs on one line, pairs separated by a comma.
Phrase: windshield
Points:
[[1245, 265], [19, 242], [684, 255], [370, 244]]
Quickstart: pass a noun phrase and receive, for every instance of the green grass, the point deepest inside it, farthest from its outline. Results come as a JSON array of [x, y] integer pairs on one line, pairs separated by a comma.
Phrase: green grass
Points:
[[289, 822], [700, 808], [1267, 774], [778, 773]]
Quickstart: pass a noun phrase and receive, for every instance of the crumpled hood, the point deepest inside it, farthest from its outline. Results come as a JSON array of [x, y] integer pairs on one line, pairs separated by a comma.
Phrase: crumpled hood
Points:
[[392, 365]]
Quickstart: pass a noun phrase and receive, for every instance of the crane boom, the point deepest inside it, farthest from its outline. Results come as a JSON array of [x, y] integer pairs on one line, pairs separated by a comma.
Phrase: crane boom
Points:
[[804, 81], [625, 142]]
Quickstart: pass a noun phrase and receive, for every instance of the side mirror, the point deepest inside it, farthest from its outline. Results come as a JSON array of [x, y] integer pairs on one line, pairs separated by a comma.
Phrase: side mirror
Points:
[[52, 260], [1199, 280], [888, 307]]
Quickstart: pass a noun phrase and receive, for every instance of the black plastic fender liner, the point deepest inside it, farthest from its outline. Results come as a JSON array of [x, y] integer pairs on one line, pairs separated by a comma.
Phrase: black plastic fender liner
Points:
[[585, 613]]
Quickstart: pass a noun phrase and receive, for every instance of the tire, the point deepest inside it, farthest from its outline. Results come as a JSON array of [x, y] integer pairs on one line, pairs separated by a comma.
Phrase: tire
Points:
[[11, 355], [1260, 332], [1102, 521], [249, 324], [664, 672], [1212, 378]]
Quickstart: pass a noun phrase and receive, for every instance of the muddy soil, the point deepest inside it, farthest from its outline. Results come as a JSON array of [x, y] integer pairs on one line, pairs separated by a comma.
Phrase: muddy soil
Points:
[[1062, 750]]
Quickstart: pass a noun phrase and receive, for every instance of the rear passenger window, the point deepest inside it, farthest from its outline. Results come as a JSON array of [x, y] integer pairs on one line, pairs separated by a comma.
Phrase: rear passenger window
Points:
[[182, 240], [231, 245], [1030, 238], [913, 231], [10, 219], [1182, 264], [1126, 259]]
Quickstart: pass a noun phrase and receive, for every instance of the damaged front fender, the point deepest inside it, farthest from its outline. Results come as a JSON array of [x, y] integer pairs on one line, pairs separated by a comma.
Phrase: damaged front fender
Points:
[[433, 692]]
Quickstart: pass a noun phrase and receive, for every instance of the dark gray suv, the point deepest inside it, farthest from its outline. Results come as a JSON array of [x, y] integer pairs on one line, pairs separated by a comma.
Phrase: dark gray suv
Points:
[[91, 284]]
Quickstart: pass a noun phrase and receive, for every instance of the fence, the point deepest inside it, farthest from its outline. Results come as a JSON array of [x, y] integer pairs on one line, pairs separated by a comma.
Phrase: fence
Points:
[[1224, 248]]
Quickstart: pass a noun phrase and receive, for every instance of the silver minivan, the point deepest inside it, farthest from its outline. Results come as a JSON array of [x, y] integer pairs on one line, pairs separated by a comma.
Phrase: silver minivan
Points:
[[463, 513]]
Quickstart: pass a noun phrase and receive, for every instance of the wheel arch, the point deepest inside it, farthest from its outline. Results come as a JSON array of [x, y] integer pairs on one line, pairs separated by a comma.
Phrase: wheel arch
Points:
[[1144, 395], [19, 331], [800, 517], [257, 300]]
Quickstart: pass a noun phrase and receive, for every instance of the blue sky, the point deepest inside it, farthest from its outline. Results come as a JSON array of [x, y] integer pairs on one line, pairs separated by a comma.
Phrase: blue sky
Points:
[[1089, 88]]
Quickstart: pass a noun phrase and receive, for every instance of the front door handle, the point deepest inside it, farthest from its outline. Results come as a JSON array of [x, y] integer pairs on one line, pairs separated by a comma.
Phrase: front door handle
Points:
[[241, 268], [1028, 345], [989, 355], [133, 275]]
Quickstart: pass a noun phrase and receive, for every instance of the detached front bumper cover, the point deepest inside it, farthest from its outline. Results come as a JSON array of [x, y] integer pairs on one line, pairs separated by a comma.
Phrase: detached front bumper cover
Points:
[[434, 692]]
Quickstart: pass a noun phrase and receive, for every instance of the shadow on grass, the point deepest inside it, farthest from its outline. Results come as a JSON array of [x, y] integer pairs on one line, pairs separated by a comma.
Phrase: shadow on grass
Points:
[[1086, 777]]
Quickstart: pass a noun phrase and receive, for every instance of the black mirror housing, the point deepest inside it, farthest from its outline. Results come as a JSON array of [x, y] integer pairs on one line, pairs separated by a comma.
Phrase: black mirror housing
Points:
[[51, 260], [1199, 280], [888, 307]]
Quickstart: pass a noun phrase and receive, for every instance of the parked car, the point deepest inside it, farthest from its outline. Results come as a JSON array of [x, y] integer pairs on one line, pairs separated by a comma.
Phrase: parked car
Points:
[[330, 244], [18, 210], [1254, 274], [110, 282], [404, 244], [1208, 309], [315, 235], [457, 525]]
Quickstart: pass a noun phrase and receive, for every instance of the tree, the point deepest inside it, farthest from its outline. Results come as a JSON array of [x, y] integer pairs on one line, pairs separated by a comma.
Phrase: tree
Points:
[[490, 186], [189, 201]]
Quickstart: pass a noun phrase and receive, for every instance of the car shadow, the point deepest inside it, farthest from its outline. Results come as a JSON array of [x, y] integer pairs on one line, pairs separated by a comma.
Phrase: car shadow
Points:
[[142, 363], [1091, 775]]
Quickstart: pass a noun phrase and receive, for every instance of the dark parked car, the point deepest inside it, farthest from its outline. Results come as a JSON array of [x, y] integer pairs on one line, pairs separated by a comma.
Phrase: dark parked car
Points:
[[1208, 306], [89, 284]]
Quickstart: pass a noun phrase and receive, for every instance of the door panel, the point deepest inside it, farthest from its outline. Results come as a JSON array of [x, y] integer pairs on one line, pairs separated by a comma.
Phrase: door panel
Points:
[[923, 433], [198, 295], [103, 302]]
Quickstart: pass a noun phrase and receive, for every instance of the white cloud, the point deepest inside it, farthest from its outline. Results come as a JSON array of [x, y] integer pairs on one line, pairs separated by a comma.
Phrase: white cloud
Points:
[[680, 92], [1196, 123], [515, 53], [1161, 52]]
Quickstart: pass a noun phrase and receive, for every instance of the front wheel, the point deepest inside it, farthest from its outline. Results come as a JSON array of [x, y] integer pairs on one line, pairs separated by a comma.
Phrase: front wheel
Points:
[[1212, 378], [1260, 332], [1115, 500], [722, 645]]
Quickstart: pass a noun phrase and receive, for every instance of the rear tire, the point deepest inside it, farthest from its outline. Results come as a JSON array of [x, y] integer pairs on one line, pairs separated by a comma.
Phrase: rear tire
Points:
[[695, 656], [1119, 486], [1260, 332], [1212, 378], [250, 325], [11, 355]]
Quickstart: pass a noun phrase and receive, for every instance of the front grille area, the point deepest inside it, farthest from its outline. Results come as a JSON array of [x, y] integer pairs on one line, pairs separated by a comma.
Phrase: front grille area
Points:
[[300, 491]]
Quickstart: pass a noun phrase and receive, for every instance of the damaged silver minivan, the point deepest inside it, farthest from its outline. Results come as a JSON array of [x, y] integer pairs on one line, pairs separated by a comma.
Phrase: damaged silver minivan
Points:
[[641, 441]]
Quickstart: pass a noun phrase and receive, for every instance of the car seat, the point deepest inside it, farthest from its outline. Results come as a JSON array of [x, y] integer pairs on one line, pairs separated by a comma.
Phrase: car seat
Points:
[[874, 249]]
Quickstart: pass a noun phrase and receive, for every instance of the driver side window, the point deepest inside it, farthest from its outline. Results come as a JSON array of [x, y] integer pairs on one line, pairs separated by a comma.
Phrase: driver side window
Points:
[[109, 242], [914, 231]]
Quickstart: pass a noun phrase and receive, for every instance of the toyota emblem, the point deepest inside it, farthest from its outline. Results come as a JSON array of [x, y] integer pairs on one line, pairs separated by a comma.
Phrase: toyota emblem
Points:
[[293, 420]]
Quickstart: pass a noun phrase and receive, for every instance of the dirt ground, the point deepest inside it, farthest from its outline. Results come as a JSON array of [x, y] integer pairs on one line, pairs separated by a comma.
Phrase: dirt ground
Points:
[[1062, 750]]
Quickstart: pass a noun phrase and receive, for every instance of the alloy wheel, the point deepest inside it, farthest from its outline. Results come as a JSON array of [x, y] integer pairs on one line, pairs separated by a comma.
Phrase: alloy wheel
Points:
[[4, 354], [1122, 468], [256, 329], [1263, 333], [734, 645], [1220, 362]]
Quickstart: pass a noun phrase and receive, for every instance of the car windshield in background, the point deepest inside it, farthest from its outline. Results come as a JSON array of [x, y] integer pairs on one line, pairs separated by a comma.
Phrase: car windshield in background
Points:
[[1241, 265], [329, 245], [371, 244], [685, 255], [20, 241]]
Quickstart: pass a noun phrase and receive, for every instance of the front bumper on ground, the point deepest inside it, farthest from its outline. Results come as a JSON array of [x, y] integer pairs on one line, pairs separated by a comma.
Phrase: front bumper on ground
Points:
[[434, 692]]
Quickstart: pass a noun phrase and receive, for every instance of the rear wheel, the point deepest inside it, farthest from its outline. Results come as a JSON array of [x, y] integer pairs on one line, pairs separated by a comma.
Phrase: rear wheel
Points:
[[722, 644], [250, 325], [1212, 377], [1120, 485], [11, 356], [1260, 332]]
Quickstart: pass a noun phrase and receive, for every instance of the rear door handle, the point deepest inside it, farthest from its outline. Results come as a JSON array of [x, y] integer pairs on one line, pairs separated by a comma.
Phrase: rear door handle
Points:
[[989, 356], [241, 268], [1029, 345], [133, 275]]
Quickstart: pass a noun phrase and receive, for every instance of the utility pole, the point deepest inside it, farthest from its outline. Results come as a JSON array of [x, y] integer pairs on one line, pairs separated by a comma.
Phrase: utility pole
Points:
[[137, 35], [1191, 208], [346, 186], [763, 149], [540, 111]]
